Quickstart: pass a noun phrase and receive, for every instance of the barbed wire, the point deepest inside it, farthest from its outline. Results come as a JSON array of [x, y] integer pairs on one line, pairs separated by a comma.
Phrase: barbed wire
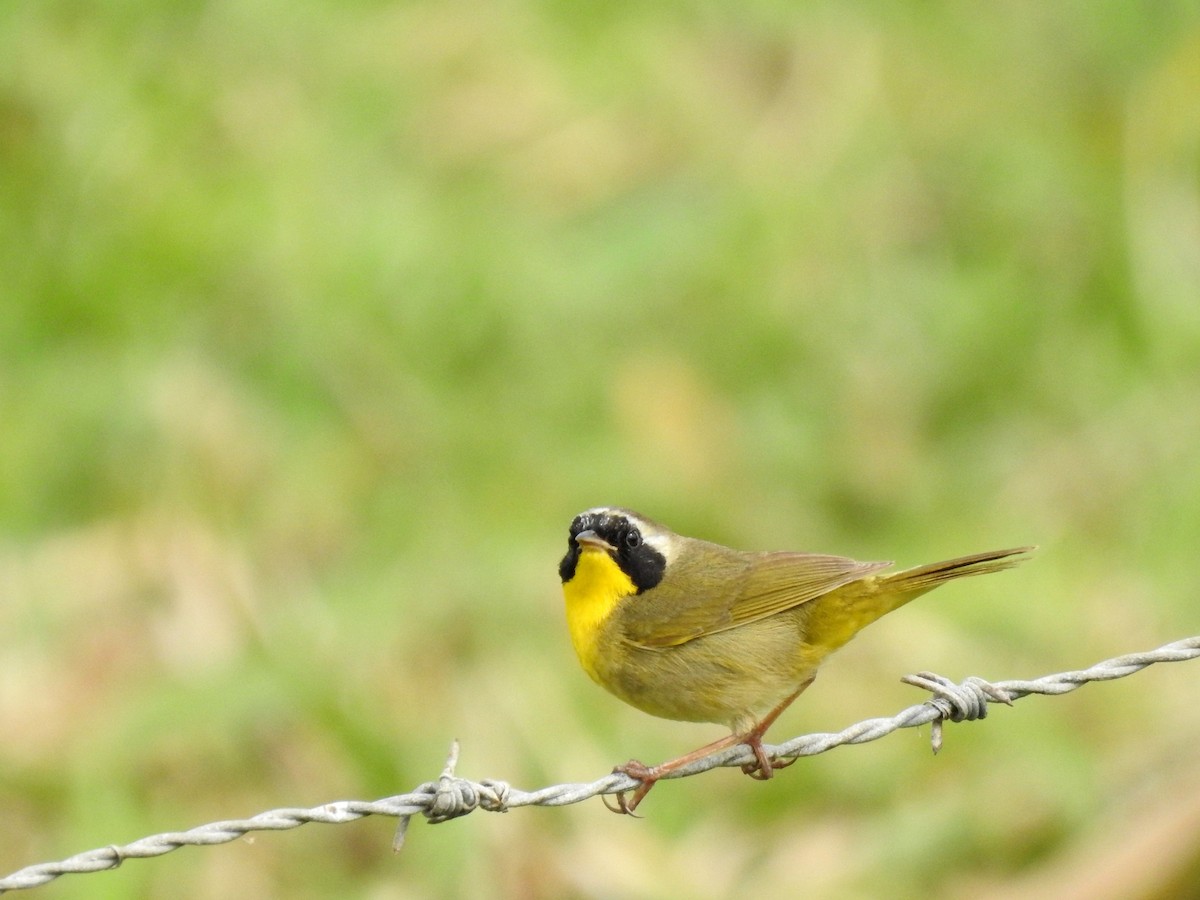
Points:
[[451, 796]]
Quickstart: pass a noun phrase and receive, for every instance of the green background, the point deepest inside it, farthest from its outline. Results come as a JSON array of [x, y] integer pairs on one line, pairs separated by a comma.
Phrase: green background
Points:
[[318, 324]]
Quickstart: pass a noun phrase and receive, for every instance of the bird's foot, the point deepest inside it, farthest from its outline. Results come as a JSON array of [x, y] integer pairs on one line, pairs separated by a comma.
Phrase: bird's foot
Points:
[[647, 775], [763, 766]]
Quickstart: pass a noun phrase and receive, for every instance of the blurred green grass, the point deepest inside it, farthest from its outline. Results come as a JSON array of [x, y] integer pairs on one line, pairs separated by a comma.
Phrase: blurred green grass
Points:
[[320, 323]]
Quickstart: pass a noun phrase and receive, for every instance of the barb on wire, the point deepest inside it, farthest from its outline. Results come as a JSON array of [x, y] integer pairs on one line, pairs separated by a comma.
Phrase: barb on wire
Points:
[[451, 796]]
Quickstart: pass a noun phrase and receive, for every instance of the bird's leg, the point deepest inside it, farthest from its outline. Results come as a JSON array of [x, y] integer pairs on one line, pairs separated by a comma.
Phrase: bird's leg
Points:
[[649, 775], [763, 768]]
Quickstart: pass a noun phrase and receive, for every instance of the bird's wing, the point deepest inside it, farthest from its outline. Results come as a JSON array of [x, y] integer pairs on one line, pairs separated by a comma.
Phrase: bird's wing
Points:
[[726, 589]]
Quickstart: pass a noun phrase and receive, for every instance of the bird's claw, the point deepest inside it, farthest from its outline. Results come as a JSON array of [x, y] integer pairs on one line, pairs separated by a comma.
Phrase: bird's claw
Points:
[[763, 766], [626, 805], [760, 772]]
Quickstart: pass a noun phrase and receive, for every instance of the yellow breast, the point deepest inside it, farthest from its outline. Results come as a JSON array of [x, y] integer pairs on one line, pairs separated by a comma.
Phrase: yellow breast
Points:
[[596, 588]]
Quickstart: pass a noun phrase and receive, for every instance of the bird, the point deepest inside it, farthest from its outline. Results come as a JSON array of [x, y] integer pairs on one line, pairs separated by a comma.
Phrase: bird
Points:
[[686, 629]]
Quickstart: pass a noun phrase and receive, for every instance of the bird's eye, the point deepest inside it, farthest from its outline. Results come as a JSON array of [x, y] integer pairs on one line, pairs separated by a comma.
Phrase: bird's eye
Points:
[[632, 539]]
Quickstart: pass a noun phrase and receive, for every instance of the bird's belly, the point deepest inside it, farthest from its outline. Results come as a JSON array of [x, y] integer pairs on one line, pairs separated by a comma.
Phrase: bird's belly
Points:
[[731, 677]]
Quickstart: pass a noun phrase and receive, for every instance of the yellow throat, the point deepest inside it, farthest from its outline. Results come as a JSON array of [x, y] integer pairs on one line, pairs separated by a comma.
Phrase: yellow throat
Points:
[[597, 586]]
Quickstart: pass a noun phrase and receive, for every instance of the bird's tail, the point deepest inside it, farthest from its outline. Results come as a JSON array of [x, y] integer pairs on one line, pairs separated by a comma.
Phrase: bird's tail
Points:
[[836, 617], [909, 584]]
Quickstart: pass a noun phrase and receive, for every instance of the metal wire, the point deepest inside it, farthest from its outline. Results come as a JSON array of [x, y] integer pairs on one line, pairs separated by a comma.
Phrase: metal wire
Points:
[[450, 796]]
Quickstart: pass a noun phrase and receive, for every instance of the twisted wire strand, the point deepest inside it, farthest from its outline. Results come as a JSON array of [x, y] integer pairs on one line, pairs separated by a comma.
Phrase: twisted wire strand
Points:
[[451, 796]]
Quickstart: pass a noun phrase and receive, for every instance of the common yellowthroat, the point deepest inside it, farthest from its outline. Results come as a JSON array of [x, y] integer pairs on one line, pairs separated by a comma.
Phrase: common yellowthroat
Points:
[[690, 630]]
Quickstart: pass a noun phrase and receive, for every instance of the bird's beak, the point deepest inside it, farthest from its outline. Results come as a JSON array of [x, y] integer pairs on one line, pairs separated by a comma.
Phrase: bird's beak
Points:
[[589, 540]]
